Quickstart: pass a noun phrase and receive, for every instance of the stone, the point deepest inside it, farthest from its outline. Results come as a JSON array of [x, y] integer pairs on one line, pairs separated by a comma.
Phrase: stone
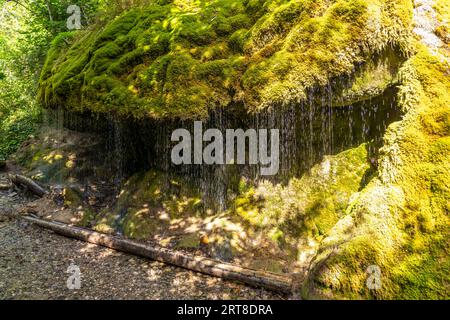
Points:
[[223, 251], [4, 186]]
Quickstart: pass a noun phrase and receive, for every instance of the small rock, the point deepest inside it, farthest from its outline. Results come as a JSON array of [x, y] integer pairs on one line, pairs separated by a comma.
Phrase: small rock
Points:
[[4, 187]]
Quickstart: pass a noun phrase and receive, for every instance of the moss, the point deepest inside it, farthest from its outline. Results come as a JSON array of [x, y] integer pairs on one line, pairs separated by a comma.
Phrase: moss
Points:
[[179, 58], [88, 216], [45, 164], [138, 224], [238, 40], [268, 265], [371, 79], [144, 198], [309, 206], [443, 30], [189, 241], [400, 221], [72, 198], [63, 157], [324, 36]]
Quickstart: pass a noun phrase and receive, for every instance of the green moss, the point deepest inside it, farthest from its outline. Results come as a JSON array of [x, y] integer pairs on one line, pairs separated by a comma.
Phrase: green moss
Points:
[[400, 221], [269, 265], [72, 198], [144, 198], [103, 228], [179, 59], [88, 216], [313, 51], [16, 127], [309, 206], [189, 241], [139, 224], [443, 30], [372, 79], [238, 40]]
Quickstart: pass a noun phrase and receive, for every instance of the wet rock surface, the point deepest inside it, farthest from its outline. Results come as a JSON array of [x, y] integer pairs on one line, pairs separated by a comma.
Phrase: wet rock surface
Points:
[[34, 264]]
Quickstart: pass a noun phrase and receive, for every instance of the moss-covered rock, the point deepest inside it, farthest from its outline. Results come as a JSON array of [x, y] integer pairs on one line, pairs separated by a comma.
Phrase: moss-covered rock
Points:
[[178, 59], [148, 202], [371, 79], [189, 241], [400, 221], [265, 221], [181, 58], [310, 205]]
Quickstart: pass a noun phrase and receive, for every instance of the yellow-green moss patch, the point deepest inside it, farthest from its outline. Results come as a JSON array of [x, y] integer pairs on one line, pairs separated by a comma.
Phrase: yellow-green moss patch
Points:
[[181, 58], [399, 222]]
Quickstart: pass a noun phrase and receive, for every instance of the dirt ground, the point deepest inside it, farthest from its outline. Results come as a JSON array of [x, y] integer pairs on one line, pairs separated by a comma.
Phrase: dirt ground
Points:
[[34, 265]]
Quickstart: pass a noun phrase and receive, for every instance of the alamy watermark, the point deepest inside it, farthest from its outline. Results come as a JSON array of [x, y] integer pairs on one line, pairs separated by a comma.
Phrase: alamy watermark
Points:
[[229, 148], [74, 280], [373, 281], [74, 20]]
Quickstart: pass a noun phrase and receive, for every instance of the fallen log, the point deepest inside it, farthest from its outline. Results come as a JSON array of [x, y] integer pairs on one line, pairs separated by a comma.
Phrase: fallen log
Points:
[[271, 281], [30, 184]]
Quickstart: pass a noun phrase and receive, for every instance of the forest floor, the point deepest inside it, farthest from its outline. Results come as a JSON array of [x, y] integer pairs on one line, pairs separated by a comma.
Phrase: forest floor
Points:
[[34, 264]]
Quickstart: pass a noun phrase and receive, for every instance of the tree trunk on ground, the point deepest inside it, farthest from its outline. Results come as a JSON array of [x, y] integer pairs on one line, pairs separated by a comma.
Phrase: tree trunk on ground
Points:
[[30, 184], [212, 267]]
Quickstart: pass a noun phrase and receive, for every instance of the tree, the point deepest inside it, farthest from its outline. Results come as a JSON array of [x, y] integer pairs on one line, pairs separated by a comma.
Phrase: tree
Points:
[[26, 29]]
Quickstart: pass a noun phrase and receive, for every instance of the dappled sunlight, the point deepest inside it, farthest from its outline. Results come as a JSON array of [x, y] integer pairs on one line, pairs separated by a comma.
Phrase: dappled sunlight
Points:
[[356, 93], [268, 226], [53, 156], [191, 55], [89, 248]]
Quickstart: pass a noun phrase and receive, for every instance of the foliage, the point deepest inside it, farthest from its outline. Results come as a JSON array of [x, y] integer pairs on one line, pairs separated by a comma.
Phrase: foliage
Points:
[[26, 29]]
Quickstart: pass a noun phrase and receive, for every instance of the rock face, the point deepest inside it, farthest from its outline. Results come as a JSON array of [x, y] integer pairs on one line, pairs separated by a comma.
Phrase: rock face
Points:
[[308, 132], [398, 223], [426, 23], [363, 111]]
